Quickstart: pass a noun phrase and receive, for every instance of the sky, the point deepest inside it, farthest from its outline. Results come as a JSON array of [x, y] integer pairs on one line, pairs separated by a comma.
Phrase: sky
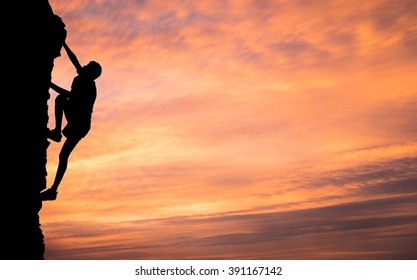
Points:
[[233, 129]]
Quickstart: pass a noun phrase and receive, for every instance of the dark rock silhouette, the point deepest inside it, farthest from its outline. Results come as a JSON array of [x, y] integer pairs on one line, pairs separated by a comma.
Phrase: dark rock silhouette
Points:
[[32, 39]]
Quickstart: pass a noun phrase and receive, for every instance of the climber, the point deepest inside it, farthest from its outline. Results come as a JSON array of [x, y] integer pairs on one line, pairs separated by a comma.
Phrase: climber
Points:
[[77, 106]]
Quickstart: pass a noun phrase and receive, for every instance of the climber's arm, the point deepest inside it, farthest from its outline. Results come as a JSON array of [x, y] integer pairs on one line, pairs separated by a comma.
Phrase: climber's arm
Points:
[[72, 57], [59, 90]]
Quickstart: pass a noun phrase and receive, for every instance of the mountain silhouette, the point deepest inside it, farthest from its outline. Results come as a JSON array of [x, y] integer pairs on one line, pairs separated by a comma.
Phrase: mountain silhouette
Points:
[[32, 38]]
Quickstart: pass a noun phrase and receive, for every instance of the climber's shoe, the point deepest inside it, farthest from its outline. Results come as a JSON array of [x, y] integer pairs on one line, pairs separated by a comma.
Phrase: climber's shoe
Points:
[[49, 194], [55, 135]]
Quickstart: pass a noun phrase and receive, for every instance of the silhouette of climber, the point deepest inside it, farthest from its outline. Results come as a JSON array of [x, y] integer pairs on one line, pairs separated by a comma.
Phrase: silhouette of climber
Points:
[[77, 106]]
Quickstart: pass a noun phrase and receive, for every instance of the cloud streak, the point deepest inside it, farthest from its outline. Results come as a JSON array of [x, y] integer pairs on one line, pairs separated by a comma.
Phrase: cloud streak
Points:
[[346, 230]]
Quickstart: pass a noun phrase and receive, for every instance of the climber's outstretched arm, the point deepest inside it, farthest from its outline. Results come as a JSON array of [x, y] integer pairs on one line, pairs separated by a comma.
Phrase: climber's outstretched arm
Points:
[[72, 57]]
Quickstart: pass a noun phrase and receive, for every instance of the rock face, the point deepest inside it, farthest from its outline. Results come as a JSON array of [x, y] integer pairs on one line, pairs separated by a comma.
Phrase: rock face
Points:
[[32, 39]]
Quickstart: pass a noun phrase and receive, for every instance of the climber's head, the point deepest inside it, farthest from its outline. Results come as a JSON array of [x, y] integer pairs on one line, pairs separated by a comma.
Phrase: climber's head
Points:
[[92, 69]]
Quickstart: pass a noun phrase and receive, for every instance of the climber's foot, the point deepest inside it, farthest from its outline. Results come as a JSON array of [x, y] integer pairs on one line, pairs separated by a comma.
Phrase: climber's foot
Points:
[[55, 135], [49, 194]]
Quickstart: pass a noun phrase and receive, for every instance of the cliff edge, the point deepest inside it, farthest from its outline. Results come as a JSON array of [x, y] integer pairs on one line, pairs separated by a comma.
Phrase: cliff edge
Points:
[[32, 39]]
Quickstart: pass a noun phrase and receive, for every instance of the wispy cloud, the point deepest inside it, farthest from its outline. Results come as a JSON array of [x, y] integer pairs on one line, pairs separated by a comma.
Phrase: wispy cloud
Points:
[[280, 235]]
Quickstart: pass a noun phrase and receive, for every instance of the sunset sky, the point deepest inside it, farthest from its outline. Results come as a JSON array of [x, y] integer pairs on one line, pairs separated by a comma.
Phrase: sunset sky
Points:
[[232, 129]]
